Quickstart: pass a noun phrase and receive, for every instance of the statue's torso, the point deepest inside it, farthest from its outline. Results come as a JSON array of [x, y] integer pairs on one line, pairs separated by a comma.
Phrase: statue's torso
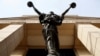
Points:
[[52, 20], [50, 23]]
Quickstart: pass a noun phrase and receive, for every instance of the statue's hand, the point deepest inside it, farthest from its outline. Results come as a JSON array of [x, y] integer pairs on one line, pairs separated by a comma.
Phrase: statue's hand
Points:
[[30, 4], [73, 5]]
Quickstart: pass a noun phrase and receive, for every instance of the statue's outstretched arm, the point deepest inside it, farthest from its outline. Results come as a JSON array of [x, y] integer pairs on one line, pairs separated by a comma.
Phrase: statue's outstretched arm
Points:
[[30, 4], [63, 14], [72, 5]]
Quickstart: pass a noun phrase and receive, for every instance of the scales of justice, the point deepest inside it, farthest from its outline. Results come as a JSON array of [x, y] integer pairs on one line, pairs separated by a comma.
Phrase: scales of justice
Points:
[[50, 32]]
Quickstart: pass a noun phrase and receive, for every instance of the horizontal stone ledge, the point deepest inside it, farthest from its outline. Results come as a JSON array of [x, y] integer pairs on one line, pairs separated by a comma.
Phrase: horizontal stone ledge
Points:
[[7, 31]]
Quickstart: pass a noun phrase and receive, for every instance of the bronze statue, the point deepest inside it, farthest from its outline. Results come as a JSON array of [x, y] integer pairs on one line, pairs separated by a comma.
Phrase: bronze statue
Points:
[[50, 32]]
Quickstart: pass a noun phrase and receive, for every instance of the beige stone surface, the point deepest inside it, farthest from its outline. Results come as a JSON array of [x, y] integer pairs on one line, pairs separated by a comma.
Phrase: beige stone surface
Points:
[[10, 37], [83, 52], [89, 35], [18, 52]]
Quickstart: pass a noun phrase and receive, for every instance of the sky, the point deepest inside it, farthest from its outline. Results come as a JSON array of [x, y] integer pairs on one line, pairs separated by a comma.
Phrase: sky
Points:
[[16, 8]]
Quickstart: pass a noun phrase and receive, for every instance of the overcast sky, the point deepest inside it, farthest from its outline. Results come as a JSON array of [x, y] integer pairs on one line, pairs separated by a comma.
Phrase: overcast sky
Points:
[[15, 8]]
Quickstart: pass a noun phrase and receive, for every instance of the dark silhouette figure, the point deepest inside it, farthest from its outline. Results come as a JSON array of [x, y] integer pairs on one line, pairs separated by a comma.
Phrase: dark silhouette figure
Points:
[[50, 32]]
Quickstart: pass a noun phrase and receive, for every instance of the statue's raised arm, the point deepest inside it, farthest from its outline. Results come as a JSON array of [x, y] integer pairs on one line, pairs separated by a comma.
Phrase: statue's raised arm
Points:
[[30, 4], [72, 5]]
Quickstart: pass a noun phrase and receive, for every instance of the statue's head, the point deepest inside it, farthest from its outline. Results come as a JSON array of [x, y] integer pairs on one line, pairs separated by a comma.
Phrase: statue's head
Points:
[[51, 13]]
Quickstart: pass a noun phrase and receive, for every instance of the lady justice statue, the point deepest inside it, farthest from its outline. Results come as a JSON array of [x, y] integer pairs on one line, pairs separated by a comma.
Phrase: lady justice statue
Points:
[[50, 32]]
